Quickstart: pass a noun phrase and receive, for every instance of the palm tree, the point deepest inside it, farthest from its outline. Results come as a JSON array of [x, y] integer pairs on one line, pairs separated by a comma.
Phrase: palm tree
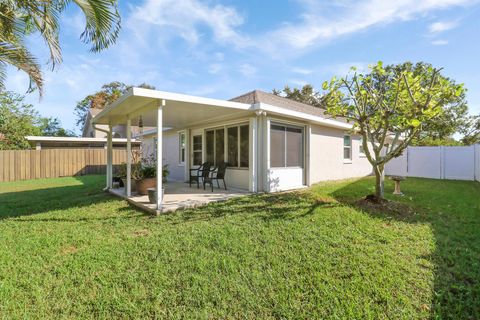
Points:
[[19, 18]]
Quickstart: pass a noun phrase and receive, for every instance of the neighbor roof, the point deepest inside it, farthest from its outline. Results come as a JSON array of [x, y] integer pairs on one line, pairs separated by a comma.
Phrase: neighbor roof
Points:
[[259, 96]]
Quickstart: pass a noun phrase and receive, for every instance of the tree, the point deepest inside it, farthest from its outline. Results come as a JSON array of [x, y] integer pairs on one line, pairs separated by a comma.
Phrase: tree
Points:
[[52, 127], [306, 94], [17, 120], [471, 130], [389, 107], [453, 118], [108, 93], [20, 18]]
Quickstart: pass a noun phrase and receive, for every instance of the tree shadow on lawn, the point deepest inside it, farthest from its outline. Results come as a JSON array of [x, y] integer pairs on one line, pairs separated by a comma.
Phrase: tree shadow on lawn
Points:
[[452, 209], [37, 201], [267, 207]]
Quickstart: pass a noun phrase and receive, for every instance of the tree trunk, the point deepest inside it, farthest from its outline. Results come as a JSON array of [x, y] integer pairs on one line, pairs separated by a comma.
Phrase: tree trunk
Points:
[[379, 181]]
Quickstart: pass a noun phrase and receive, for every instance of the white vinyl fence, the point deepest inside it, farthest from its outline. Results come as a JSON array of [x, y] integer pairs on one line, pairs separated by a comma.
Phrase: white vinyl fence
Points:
[[455, 163]]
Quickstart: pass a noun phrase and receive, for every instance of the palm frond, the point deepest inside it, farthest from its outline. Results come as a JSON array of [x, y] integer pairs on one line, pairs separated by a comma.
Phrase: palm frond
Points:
[[21, 58], [102, 23]]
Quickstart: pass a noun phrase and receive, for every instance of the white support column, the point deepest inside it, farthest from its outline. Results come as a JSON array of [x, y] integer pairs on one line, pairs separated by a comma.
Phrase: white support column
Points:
[[187, 154], [308, 135], [159, 154], [128, 187], [253, 155], [266, 153], [109, 158]]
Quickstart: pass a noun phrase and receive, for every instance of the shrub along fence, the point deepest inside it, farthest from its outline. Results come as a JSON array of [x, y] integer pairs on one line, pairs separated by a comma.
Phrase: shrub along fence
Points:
[[454, 163], [51, 163]]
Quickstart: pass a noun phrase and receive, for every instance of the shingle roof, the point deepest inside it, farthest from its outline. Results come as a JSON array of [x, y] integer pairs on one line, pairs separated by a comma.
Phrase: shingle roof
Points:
[[258, 96]]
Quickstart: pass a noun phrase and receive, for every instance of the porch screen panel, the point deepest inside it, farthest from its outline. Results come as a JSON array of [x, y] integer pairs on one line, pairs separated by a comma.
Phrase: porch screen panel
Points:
[[219, 146], [210, 146], [244, 148], [197, 150], [294, 147], [277, 146], [232, 146]]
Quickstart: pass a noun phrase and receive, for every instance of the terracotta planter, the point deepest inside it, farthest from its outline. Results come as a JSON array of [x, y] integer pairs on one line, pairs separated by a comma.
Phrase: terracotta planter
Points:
[[144, 184]]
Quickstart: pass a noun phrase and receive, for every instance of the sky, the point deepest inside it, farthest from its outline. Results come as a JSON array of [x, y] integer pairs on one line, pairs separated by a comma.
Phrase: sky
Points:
[[222, 49]]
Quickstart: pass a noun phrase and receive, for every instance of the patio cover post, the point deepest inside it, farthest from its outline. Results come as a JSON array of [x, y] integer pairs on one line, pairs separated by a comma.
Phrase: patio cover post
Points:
[[159, 154], [129, 158], [253, 145], [109, 157]]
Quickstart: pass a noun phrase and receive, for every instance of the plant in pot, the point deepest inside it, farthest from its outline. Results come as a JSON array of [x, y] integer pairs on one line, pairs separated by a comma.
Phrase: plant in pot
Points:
[[146, 174], [152, 192], [121, 171]]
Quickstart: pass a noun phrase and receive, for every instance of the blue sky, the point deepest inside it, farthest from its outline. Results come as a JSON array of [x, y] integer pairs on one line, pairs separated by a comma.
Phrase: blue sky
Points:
[[221, 49]]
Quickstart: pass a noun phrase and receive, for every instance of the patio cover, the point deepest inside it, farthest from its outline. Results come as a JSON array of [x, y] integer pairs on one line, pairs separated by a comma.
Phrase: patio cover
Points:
[[166, 111]]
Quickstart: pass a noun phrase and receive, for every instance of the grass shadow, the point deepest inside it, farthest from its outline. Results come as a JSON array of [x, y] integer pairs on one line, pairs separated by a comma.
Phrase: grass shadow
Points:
[[452, 209], [83, 191]]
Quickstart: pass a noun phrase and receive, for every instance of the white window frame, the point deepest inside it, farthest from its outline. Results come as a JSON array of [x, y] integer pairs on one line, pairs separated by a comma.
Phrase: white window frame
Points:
[[238, 166], [196, 151], [361, 152], [180, 148], [288, 125], [347, 160], [225, 128]]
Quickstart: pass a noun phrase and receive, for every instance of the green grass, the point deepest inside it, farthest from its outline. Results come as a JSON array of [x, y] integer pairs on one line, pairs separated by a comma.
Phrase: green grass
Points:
[[68, 250]]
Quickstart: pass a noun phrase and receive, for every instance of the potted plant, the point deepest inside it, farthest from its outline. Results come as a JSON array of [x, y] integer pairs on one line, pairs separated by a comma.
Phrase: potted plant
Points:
[[122, 175], [152, 192]]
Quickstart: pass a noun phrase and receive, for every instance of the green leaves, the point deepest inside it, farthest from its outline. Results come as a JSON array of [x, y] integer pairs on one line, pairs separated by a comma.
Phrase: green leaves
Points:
[[21, 18]]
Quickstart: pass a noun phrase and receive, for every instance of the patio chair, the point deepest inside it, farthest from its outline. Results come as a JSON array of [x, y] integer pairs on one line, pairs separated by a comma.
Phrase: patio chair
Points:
[[216, 174], [198, 173]]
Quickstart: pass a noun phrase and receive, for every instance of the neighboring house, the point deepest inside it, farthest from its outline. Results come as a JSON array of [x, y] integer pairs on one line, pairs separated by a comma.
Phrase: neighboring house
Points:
[[270, 143], [89, 131], [45, 142]]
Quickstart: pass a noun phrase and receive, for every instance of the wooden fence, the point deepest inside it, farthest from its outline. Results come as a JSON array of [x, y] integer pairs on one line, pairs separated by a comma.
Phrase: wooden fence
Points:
[[51, 163]]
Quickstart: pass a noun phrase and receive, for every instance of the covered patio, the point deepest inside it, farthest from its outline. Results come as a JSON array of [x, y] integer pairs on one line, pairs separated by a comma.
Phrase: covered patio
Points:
[[179, 195], [169, 112]]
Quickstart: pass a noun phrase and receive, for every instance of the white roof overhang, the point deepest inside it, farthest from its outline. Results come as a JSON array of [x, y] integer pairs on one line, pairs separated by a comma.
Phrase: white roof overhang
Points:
[[180, 110]]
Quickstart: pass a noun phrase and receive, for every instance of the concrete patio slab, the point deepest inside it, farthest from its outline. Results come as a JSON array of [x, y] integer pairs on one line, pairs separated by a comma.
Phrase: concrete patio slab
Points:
[[178, 195]]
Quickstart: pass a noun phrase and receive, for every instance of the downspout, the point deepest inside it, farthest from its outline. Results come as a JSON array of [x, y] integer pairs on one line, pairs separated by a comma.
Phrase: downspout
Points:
[[107, 132]]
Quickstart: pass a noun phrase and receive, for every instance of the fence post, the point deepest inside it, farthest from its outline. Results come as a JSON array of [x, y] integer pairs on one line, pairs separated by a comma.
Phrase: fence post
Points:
[[442, 162]]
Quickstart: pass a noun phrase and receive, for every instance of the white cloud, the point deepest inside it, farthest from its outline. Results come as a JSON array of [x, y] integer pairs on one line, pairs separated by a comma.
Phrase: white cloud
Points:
[[247, 70], [184, 18], [438, 27], [321, 23], [439, 42], [302, 71]]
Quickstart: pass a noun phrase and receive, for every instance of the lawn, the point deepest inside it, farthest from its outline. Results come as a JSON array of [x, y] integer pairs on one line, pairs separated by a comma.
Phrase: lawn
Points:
[[68, 250]]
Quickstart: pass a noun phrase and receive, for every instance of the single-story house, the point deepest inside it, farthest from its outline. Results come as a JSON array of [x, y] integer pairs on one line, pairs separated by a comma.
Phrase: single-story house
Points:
[[269, 142]]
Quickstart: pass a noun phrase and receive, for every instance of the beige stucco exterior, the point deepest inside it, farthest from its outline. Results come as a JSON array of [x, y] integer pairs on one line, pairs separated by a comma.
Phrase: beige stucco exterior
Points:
[[326, 156]]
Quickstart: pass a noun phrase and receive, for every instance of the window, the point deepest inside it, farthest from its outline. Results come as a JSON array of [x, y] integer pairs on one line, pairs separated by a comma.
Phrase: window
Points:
[[233, 146], [215, 140], [238, 151], [361, 151], [244, 149], [286, 146], [182, 145], [347, 147], [197, 150]]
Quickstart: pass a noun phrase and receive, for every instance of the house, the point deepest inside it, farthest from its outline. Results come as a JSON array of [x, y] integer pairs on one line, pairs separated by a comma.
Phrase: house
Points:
[[47, 142], [92, 136], [270, 143]]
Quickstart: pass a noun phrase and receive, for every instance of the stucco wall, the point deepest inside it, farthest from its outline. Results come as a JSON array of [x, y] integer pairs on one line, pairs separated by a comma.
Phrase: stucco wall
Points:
[[477, 162], [170, 154], [326, 156]]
